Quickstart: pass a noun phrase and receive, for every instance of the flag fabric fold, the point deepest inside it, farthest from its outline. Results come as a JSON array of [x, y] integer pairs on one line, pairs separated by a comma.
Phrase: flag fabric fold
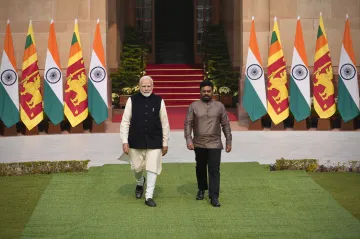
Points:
[[53, 84], [97, 87], [323, 86], [300, 100], [31, 104], [348, 86], [76, 98], [254, 98], [277, 92], [9, 86]]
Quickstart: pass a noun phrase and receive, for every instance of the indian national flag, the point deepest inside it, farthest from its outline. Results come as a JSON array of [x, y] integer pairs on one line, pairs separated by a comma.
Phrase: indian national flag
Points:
[[254, 99], [277, 92], [9, 87], [53, 84], [323, 90], [300, 102], [31, 105], [76, 100], [98, 104], [348, 92]]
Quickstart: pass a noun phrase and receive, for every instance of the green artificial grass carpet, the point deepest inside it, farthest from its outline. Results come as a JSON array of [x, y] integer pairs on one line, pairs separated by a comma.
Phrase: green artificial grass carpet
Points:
[[344, 187], [18, 198], [255, 203]]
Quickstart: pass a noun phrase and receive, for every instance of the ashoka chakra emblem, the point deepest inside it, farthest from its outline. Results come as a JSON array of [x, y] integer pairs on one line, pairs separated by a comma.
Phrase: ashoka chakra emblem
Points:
[[299, 72], [254, 72], [347, 71], [8, 77], [53, 75], [98, 74]]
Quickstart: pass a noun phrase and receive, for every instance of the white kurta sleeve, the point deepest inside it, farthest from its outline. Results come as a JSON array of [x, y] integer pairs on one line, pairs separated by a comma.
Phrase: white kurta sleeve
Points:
[[164, 123], [125, 122]]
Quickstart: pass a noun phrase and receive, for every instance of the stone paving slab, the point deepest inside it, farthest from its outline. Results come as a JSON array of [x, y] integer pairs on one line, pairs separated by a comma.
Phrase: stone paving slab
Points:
[[248, 146]]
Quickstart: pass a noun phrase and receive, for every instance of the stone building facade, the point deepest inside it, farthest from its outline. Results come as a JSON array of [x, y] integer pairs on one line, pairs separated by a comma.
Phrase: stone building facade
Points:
[[235, 16]]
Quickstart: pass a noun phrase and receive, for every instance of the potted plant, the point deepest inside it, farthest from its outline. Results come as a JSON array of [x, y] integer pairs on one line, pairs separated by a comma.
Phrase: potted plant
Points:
[[132, 66], [225, 96]]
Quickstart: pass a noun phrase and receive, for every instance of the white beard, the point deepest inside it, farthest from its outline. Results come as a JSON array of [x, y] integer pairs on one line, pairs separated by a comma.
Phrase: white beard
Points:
[[146, 94]]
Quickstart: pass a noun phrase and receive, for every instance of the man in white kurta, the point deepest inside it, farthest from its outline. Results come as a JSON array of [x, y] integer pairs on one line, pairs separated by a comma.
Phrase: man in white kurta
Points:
[[144, 132]]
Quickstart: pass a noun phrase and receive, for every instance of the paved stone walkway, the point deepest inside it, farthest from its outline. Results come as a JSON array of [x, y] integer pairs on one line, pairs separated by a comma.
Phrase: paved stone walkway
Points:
[[260, 146]]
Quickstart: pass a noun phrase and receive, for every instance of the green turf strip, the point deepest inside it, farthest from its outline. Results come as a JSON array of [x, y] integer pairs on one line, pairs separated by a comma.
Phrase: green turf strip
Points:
[[255, 203], [344, 187], [18, 198]]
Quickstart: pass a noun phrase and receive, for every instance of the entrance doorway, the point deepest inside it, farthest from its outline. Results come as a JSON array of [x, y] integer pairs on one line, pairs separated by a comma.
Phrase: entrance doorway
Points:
[[174, 32]]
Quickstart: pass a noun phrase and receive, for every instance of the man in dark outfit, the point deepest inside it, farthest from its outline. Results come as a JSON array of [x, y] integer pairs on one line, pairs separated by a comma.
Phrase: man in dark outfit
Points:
[[205, 118], [144, 131]]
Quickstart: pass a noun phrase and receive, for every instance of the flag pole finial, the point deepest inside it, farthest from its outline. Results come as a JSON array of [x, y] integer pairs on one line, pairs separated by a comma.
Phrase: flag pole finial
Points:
[[8, 21], [275, 18], [98, 20], [320, 14], [347, 16], [252, 18], [30, 22], [298, 18], [76, 20]]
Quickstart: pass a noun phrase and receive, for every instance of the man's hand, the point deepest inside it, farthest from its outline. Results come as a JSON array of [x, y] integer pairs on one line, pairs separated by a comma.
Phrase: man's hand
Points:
[[228, 148], [126, 148], [164, 150], [190, 146]]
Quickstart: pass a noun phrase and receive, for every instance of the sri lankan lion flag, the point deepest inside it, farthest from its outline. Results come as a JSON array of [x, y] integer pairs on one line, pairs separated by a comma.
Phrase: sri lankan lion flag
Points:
[[76, 104], [254, 99], [277, 92], [53, 84], [9, 87], [323, 90], [98, 104], [348, 92], [31, 107], [300, 101]]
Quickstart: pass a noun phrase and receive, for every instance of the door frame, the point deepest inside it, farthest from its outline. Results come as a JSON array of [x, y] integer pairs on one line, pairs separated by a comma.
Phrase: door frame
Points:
[[151, 57]]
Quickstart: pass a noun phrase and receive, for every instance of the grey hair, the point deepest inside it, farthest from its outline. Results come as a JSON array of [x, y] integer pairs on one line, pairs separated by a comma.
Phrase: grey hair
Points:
[[146, 78]]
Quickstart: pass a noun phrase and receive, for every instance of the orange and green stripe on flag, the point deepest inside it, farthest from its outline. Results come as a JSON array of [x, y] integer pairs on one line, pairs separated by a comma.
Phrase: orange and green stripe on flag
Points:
[[254, 99], [98, 93], [9, 83], [76, 98], [277, 92], [348, 92], [300, 101], [31, 107], [53, 84], [323, 86]]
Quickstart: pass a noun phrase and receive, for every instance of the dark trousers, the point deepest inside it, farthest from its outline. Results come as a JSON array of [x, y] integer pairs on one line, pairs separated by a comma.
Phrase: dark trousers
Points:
[[208, 160]]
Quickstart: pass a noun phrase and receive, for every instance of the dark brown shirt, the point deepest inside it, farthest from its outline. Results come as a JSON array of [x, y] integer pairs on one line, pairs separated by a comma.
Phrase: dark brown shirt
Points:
[[206, 121]]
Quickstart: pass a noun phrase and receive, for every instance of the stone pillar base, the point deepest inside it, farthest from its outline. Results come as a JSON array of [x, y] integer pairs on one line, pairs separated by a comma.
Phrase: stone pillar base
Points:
[[300, 125], [279, 126], [347, 126], [324, 124], [78, 129], [256, 125], [98, 128], [54, 129]]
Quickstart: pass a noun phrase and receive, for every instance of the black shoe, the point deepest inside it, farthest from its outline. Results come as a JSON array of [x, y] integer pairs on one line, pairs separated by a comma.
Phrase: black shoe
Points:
[[200, 195], [139, 190], [150, 202], [215, 202]]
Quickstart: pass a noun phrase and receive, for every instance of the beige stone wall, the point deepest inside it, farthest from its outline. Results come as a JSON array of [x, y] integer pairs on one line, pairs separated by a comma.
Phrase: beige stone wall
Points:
[[286, 11], [19, 12], [230, 17]]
